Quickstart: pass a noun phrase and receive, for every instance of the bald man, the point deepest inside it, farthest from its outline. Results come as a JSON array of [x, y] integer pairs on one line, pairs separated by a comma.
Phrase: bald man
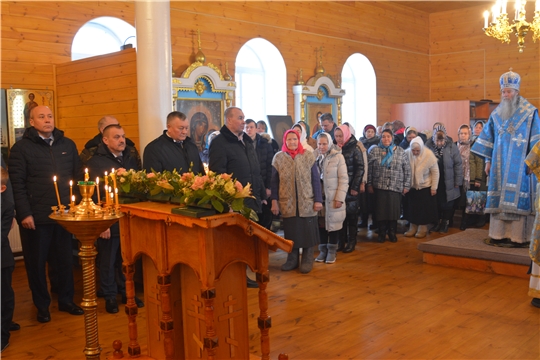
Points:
[[42, 153]]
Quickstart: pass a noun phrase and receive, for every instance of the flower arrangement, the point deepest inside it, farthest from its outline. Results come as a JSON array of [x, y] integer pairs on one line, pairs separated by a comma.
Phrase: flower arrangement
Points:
[[221, 192]]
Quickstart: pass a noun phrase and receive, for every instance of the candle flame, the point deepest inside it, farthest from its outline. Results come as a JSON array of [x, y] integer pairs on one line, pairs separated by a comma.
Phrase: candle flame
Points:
[[54, 178], [97, 180]]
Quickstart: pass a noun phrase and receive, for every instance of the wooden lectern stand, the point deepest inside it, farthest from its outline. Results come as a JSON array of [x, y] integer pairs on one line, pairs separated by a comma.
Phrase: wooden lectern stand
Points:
[[195, 281]]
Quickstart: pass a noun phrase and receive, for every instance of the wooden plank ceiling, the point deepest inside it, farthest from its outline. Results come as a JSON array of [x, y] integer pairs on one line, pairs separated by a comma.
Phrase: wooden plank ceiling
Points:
[[439, 6]]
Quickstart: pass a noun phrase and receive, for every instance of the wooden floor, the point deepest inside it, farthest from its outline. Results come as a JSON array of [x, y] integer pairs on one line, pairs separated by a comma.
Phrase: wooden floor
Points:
[[379, 302]]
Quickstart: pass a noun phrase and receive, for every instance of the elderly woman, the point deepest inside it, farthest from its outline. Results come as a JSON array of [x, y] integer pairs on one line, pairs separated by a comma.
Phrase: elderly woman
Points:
[[335, 183], [355, 170], [421, 204], [389, 177], [450, 176], [296, 192]]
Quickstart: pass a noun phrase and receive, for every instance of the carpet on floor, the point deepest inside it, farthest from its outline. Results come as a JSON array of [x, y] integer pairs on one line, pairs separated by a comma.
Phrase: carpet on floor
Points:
[[470, 244]]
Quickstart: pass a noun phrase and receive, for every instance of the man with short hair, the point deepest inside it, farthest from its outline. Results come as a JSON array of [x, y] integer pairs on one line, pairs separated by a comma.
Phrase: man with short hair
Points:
[[232, 152], [42, 153], [398, 129], [113, 152], [174, 149], [91, 145], [327, 125], [512, 130]]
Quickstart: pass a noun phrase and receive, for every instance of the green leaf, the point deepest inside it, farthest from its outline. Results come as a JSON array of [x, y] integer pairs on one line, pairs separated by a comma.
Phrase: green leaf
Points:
[[217, 205], [237, 204], [156, 190]]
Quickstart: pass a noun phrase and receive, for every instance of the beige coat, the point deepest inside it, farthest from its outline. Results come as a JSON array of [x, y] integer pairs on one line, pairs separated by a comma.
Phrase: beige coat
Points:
[[335, 185], [295, 181], [424, 167]]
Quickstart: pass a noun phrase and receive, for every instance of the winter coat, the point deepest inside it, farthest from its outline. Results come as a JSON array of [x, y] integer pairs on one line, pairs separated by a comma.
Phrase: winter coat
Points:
[[296, 184], [165, 154], [8, 212], [228, 155], [368, 143], [395, 178], [265, 154], [424, 167], [477, 170], [32, 165], [355, 170], [335, 183], [91, 146], [453, 169]]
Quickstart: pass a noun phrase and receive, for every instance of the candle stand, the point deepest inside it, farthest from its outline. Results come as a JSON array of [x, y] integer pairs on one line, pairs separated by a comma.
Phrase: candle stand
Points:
[[87, 221]]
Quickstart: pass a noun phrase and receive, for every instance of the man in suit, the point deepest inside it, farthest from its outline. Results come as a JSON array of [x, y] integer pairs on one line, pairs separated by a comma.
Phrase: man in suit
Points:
[[42, 153]]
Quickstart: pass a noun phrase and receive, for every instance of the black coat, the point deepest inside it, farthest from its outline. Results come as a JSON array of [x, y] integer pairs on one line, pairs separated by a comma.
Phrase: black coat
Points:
[[265, 154], [164, 154], [370, 142], [103, 160], [91, 146], [32, 165], [230, 156], [355, 170], [8, 211]]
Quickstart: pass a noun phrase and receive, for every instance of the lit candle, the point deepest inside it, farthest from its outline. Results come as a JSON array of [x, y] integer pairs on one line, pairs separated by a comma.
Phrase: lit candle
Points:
[[503, 6], [518, 7], [486, 17], [57, 193], [70, 188], [494, 10], [537, 5], [113, 175], [112, 199], [72, 201], [106, 195], [205, 165], [86, 176], [97, 187], [116, 196]]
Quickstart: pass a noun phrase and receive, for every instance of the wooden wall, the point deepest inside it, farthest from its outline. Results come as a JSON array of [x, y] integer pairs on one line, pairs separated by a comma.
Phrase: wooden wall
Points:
[[392, 37], [467, 64], [416, 56], [91, 88]]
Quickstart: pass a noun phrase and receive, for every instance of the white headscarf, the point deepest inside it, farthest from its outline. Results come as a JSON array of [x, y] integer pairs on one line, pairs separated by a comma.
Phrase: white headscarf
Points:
[[424, 160], [303, 137]]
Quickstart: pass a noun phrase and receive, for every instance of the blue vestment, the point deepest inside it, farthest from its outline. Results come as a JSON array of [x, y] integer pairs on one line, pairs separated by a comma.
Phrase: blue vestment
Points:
[[506, 144]]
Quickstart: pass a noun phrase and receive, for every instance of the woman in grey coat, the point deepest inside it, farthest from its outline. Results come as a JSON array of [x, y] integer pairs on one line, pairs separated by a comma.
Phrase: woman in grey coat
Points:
[[334, 182], [451, 175]]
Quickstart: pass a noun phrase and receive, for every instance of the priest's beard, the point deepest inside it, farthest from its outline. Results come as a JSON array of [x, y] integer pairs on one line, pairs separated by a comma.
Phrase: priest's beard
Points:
[[509, 107]]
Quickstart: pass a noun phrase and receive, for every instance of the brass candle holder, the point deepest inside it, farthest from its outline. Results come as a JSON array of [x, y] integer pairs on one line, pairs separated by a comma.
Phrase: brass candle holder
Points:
[[87, 221]]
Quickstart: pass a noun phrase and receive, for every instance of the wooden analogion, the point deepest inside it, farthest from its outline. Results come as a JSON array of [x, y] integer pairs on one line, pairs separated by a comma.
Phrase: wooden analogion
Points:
[[195, 281]]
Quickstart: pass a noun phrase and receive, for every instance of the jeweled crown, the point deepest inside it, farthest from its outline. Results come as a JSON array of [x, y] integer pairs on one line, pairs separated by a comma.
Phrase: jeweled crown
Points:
[[510, 80]]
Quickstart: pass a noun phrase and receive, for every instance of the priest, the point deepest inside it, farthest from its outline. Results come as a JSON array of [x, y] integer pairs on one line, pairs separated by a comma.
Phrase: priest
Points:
[[511, 131]]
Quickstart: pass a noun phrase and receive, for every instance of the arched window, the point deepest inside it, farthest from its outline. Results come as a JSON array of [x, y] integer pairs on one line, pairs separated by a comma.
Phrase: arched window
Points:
[[360, 101], [100, 36], [261, 80]]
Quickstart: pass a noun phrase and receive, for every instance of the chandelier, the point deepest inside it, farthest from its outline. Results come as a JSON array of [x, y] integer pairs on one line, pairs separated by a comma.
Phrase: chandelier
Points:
[[500, 27]]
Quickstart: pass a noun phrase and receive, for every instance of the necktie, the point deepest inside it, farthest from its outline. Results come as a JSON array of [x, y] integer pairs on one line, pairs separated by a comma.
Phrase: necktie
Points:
[[120, 159], [48, 141]]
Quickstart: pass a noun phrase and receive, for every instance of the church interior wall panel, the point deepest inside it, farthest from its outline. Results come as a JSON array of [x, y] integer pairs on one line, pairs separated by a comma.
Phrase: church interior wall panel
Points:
[[223, 36], [80, 107], [467, 64]]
